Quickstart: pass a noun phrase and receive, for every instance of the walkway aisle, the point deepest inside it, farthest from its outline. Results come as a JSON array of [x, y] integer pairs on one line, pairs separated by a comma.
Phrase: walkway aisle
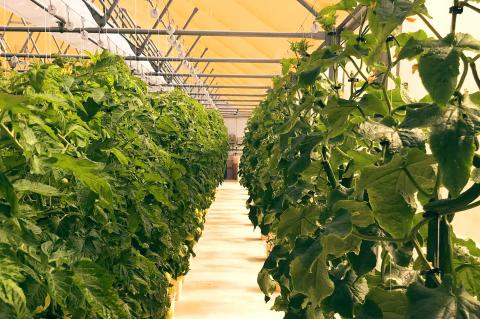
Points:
[[222, 283]]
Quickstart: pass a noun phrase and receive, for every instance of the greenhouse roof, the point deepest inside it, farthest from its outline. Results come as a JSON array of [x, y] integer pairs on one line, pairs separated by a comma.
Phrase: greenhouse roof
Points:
[[233, 47]]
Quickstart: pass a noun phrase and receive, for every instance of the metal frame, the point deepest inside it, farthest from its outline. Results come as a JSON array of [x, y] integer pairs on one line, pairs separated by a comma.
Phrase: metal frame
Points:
[[146, 58], [249, 87], [308, 7], [141, 31], [216, 75]]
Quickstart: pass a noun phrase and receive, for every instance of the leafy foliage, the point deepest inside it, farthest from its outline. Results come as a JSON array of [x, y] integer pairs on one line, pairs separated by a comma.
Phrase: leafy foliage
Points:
[[103, 190], [354, 181]]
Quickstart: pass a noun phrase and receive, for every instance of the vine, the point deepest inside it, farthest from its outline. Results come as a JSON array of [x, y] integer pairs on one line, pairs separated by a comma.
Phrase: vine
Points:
[[359, 192]]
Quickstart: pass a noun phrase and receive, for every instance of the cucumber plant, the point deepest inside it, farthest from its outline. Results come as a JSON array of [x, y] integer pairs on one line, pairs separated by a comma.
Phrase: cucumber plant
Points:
[[357, 183], [103, 189]]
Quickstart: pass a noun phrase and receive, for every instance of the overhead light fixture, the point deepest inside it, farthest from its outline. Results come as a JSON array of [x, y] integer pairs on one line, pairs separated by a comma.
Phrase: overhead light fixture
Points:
[[69, 26], [84, 35], [52, 9], [315, 27], [154, 13]]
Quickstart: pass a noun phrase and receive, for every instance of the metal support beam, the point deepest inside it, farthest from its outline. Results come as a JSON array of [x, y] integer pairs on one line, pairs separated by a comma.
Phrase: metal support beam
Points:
[[233, 100], [207, 75], [231, 94], [253, 87], [147, 58], [206, 33], [141, 48], [308, 7]]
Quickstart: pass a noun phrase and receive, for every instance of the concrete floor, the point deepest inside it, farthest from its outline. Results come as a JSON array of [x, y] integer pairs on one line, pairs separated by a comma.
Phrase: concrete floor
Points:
[[222, 281]]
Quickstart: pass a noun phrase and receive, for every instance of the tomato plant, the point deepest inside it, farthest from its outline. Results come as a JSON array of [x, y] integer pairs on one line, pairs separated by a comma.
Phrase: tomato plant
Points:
[[357, 183], [103, 189]]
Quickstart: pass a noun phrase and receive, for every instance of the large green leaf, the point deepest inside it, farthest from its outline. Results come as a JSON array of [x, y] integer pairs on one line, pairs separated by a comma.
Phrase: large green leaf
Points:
[[390, 304], [391, 190], [13, 296], [439, 70], [349, 291], [25, 185], [309, 274], [265, 282], [297, 221], [89, 173], [458, 138], [444, 302], [360, 212], [96, 286]]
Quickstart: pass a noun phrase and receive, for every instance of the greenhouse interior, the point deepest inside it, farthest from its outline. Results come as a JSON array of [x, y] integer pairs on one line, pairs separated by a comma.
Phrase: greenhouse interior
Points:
[[239, 159]]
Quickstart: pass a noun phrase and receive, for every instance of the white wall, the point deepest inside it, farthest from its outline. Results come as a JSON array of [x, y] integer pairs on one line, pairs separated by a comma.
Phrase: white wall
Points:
[[236, 125], [465, 223]]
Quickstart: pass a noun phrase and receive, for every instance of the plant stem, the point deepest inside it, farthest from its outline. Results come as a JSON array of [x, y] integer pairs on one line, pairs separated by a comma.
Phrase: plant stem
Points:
[[454, 18], [2, 115], [358, 69], [328, 168], [475, 73], [464, 73], [387, 100], [468, 5], [414, 182], [430, 26], [376, 238], [12, 137]]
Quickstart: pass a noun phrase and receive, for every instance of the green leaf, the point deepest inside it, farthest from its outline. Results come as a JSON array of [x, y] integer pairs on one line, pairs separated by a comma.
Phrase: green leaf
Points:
[[308, 77], [14, 103], [298, 221], [341, 224], [391, 191], [392, 304], [365, 261], [7, 191], [25, 185], [60, 284], [439, 70], [444, 302], [89, 173], [466, 261], [386, 16], [372, 104], [362, 158], [120, 156], [338, 112], [309, 274], [464, 41], [98, 94], [361, 214], [13, 296], [96, 286], [422, 115], [266, 283], [457, 138], [349, 291]]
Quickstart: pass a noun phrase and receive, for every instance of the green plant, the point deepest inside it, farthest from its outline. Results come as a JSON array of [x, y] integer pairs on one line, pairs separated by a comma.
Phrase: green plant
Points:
[[103, 189], [358, 184]]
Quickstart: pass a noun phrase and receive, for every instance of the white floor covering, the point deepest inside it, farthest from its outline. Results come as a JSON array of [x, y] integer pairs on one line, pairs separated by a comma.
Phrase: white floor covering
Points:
[[222, 281]]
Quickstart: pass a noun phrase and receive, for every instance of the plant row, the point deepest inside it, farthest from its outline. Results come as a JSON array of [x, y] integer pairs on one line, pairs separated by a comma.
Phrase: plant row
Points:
[[103, 189], [357, 183]]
